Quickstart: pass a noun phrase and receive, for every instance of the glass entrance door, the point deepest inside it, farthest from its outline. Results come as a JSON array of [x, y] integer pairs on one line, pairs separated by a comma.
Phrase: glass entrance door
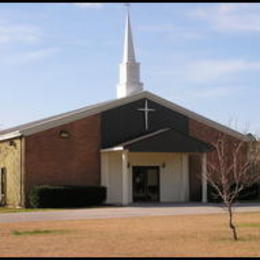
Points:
[[145, 183]]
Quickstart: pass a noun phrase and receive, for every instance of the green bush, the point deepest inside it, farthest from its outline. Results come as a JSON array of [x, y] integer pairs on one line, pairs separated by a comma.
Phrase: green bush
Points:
[[249, 193], [45, 196]]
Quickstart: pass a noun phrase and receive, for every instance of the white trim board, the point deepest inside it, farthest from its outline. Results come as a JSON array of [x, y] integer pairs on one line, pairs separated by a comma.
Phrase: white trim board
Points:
[[9, 136], [81, 113]]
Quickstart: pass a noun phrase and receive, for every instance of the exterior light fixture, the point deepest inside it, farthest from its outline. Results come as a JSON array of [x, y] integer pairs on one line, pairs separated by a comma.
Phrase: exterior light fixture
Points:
[[64, 134], [163, 165]]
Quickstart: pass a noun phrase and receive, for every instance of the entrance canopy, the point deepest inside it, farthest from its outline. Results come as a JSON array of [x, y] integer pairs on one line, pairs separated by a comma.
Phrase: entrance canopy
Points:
[[164, 140]]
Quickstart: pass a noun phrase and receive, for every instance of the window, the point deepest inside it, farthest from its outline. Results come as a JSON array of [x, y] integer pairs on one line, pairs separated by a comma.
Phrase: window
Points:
[[2, 186]]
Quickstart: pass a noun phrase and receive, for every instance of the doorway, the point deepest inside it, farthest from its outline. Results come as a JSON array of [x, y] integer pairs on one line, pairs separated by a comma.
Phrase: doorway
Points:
[[146, 184]]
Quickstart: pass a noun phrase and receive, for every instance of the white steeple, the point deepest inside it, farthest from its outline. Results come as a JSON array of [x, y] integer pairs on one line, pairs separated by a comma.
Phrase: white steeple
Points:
[[129, 77]]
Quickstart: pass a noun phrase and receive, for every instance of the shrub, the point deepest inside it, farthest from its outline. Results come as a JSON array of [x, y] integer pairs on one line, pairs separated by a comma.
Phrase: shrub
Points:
[[249, 193], [45, 196]]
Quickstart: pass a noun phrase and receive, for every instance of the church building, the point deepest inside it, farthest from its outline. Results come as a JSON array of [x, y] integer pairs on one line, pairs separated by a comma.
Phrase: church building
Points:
[[140, 146]]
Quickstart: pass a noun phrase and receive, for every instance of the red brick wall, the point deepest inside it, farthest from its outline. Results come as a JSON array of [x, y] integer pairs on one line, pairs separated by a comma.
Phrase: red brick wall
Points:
[[208, 135], [204, 132], [194, 176], [50, 159]]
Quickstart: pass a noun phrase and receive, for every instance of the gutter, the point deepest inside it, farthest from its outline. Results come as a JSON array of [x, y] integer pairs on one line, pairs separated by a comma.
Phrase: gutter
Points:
[[9, 136]]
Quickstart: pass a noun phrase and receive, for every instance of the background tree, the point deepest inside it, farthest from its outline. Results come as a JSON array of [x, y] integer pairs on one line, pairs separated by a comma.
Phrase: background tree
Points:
[[234, 169]]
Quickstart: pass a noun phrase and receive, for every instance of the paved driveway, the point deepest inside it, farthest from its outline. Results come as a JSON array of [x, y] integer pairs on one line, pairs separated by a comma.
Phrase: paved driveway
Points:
[[124, 212]]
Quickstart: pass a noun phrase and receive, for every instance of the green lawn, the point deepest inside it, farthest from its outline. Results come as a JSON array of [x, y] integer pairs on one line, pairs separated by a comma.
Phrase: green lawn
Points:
[[17, 210], [38, 232]]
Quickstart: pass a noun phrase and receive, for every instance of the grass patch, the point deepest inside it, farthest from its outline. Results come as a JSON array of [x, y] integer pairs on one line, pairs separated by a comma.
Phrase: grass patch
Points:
[[17, 210], [249, 225], [150, 236], [241, 238], [38, 232], [20, 210]]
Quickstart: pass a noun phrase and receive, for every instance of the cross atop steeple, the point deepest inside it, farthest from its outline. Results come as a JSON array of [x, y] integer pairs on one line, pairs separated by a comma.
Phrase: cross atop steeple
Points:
[[129, 77]]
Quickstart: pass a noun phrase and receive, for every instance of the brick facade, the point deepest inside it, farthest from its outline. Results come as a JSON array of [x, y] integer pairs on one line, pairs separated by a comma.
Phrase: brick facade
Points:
[[195, 177], [209, 135], [50, 159], [10, 162]]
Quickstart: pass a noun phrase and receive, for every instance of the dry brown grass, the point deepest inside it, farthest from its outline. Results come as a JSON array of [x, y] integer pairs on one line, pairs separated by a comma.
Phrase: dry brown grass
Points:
[[199, 235]]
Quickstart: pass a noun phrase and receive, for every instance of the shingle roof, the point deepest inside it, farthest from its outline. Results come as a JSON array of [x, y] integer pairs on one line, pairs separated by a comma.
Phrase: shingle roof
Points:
[[48, 119], [163, 140], [64, 118]]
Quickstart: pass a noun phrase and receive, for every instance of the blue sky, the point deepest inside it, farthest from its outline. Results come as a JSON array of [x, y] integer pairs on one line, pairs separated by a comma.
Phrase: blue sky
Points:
[[56, 57]]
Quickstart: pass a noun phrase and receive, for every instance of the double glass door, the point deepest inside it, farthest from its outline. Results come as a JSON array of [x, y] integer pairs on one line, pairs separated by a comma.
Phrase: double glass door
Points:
[[146, 184]]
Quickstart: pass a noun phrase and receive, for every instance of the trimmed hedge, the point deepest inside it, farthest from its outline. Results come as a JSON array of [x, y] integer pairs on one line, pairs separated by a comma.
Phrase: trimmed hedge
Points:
[[45, 196], [249, 193]]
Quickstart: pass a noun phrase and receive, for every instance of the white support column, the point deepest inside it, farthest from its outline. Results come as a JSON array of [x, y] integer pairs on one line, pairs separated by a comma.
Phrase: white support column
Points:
[[185, 178], [204, 179], [105, 172], [124, 177]]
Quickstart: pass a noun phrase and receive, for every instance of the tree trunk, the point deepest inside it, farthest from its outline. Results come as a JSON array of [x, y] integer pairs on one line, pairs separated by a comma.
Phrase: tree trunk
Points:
[[231, 225]]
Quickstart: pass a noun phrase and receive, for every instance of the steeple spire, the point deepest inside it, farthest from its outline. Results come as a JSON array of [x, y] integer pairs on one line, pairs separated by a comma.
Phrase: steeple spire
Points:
[[129, 52], [129, 78]]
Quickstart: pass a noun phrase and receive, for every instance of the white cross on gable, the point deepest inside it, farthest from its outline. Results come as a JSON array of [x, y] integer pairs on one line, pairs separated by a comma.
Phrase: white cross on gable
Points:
[[146, 111]]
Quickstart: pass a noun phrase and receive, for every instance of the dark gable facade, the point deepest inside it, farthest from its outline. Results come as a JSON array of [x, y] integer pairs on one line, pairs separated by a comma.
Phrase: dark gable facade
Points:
[[126, 122]]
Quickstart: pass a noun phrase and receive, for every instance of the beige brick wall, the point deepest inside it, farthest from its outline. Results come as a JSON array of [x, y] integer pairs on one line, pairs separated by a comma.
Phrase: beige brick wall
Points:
[[10, 158]]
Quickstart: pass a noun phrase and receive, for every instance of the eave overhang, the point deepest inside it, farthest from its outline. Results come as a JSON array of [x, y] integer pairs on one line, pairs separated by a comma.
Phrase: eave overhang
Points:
[[165, 140]]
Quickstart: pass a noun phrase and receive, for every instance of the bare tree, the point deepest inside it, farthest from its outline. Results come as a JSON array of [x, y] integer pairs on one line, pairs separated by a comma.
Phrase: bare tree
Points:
[[233, 168]]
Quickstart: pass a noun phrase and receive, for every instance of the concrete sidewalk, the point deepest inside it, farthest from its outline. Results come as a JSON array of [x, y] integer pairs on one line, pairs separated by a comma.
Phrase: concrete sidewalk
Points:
[[136, 210]]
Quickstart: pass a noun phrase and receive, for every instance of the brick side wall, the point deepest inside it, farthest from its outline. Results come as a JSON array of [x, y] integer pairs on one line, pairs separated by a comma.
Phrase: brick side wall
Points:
[[209, 135], [10, 159], [203, 132], [50, 159], [194, 175]]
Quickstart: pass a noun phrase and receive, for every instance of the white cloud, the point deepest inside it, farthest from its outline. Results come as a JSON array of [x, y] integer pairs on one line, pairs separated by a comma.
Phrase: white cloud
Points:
[[205, 93], [210, 70], [181, 34], [213, 92], [227, 7], [207, 71], [230, 17], [156, 28], [89, 5], [28, 57], [19, 33], [174, 33]]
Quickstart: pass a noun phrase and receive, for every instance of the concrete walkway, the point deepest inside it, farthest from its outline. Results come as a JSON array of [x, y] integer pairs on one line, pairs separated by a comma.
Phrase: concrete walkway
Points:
[[135, 210]]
